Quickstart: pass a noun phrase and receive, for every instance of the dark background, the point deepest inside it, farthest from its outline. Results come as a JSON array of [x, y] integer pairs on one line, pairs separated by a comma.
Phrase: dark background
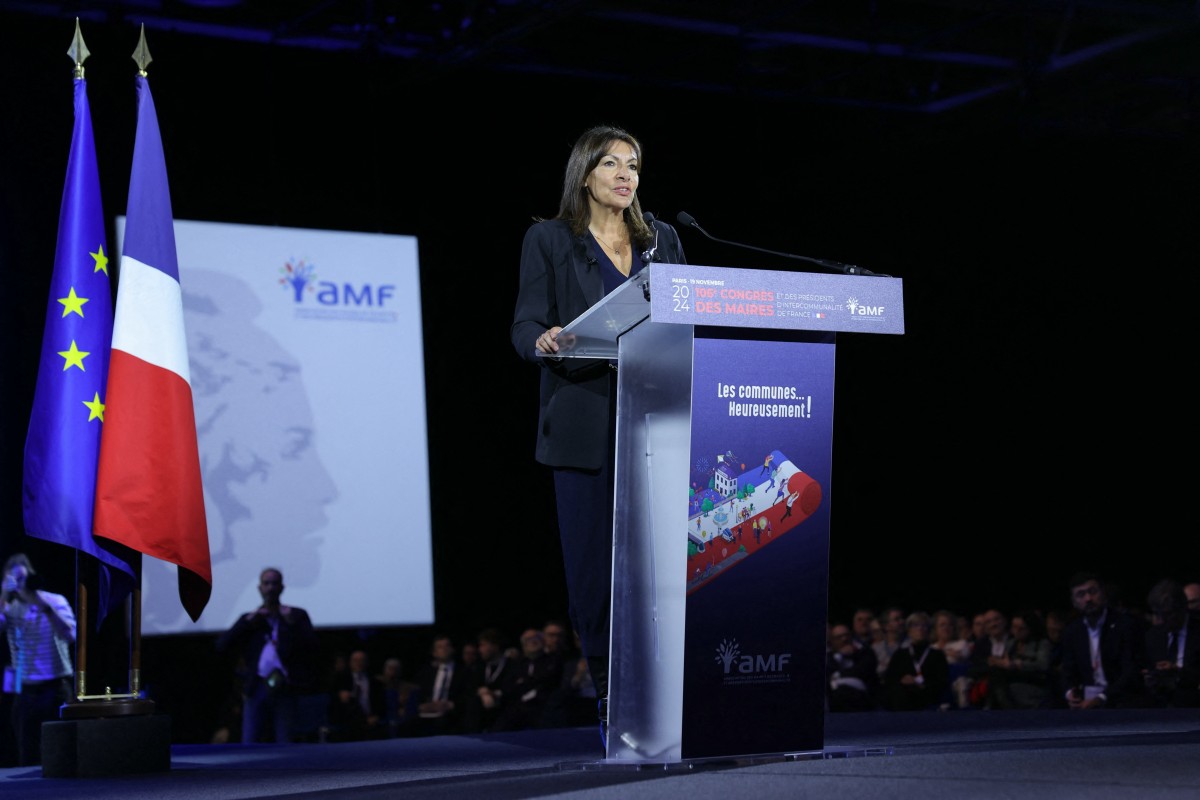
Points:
[[1035, 417]]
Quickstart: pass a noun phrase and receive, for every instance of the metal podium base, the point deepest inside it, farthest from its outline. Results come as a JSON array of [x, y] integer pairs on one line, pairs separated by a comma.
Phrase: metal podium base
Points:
[[731, 762]]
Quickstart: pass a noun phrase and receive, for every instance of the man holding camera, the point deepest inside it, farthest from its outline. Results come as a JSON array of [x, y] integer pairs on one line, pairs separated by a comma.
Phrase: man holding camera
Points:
[[277, 646], [41, 631]]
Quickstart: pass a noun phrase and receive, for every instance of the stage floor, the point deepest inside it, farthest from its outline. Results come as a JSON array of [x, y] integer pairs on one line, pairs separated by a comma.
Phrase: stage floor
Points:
[[926, 755]]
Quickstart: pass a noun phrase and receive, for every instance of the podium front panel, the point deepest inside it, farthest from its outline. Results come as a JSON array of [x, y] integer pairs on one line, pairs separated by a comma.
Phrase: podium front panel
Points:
[[649, 592], [719, 577], [757, 542]]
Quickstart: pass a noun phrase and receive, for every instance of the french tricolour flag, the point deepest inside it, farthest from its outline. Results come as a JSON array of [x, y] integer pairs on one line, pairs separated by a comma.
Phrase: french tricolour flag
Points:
[[148, 490]]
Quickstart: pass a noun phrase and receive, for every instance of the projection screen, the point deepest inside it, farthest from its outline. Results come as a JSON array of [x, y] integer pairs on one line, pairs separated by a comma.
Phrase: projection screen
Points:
[[308, 381]]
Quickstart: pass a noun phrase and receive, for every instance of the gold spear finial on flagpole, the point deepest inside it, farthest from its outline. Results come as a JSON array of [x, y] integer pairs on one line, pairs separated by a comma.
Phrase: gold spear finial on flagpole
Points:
[[78, 51], [142, 54]]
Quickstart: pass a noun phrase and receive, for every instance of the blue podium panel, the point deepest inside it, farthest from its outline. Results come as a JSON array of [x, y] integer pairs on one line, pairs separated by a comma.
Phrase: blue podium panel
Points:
[[773, 300], [721, 534], [757, 543], [686, 294]]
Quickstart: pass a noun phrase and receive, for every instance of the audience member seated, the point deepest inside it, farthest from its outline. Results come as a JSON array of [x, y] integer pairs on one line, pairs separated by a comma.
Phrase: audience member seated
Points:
[[991, 648], [488, 682], [557, 641], [965, 632], [1100, 657], [445, 689], [1192, 590], [1056, 621], [852, 680], [877, 633], [978, 628], [468, 656], [534, 678], [917, 677], [860, 626], [573, 703], [1021, 678], [892, 620], [958, 657], [358, 705], [399, 697], [1172, 649]]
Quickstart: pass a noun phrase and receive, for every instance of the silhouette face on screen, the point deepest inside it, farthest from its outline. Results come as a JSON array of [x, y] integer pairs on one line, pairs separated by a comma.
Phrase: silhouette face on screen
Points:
[[265, 488]]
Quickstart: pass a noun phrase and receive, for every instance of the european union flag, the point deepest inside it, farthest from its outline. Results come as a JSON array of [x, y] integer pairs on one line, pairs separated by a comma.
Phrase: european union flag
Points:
[[63, 442]]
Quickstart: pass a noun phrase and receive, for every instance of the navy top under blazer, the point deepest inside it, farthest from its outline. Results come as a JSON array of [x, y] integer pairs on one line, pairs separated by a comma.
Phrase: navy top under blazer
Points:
[[560, 279]]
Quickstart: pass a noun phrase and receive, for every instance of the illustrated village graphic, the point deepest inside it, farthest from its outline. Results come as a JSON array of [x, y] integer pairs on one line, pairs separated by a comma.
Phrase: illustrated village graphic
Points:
[[735, 510]]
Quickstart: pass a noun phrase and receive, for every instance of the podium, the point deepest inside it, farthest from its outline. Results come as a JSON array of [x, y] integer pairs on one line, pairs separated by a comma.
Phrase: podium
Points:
[[722, 502]]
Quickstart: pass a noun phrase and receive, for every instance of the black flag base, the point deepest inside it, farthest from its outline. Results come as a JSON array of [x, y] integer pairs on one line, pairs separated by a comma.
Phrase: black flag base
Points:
[[128, 744]]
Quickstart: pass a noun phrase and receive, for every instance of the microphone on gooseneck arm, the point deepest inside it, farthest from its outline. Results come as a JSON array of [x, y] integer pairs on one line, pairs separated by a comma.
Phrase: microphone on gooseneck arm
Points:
[[652, 254], [689, 221]]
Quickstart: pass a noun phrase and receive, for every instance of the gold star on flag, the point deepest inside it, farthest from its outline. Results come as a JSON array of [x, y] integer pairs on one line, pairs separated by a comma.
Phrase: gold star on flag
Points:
[[96, 408], [72, 302], [74, 357], [101, 261]]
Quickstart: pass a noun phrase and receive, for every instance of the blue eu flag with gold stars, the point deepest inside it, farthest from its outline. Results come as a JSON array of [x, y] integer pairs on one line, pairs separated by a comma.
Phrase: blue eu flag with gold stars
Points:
[[63, 442]]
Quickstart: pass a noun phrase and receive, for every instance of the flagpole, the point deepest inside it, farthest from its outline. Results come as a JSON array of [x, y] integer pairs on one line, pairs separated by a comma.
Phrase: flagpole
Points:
[[135, 639], [141, 56], [81, 628], [78, 52]]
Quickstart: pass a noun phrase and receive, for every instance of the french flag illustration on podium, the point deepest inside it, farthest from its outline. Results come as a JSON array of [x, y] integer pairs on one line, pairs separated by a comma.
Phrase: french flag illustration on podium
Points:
[[149, 494]]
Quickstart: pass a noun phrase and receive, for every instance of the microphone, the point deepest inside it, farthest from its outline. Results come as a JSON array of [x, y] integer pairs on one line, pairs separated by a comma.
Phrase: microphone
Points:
[[652, 254], [689, 221]]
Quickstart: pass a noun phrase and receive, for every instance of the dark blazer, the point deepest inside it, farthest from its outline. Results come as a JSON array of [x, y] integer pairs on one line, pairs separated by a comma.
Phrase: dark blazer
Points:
[[1119, 651], [493, 674], [862, 665], [935, 677], [461, 684], [297, 646], [531, 683], [978, 666], [496, 676], [376, 693], [347, 720], [1176, 688], [560, 279]]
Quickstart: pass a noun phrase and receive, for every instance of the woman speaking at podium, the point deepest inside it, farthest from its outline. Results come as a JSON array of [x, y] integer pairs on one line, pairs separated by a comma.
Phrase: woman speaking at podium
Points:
[[596, 241]]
